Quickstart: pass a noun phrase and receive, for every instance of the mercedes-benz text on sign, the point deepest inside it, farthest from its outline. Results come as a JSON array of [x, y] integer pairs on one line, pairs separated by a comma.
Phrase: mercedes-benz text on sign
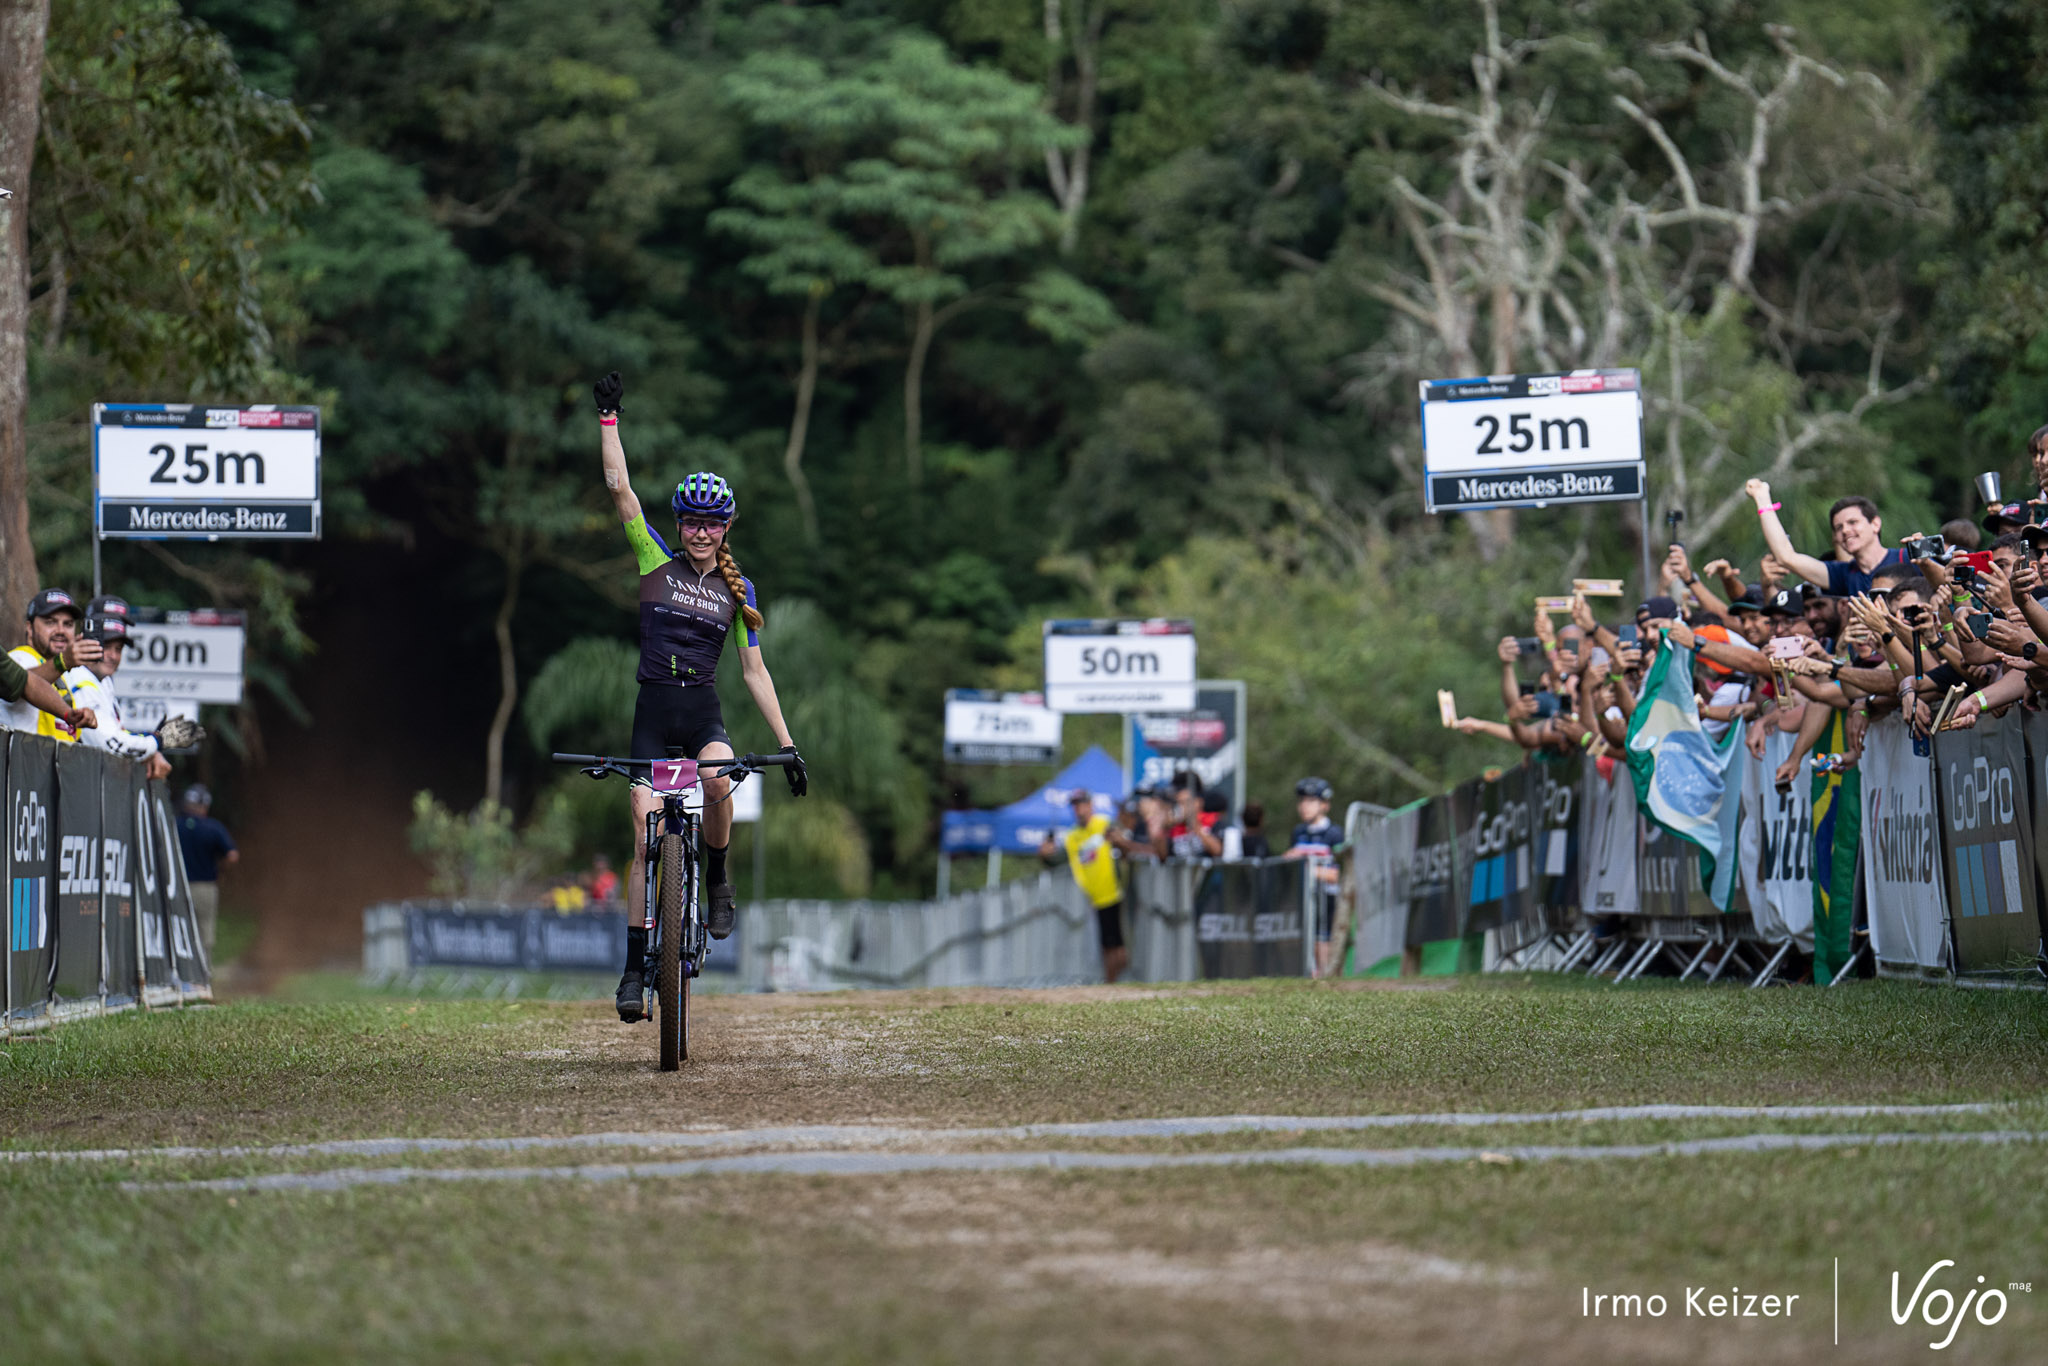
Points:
[[1531, 440]]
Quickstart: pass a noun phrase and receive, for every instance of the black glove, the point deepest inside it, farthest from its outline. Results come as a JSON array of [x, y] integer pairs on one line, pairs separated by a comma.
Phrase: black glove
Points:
[[608, 391], [799, 778]]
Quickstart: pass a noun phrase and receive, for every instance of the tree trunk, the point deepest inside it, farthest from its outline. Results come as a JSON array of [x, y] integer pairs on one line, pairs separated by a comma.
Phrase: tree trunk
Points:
[[508, 682], [913, 393], [23, 26], [800, 424]]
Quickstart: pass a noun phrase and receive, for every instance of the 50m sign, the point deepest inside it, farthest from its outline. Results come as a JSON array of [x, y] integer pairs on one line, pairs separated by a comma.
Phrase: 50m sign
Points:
[[1119, 666]]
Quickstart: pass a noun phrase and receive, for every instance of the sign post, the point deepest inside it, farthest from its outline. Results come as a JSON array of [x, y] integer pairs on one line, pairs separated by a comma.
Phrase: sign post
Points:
[[1507, 441], [187, 472], [1104, 665]]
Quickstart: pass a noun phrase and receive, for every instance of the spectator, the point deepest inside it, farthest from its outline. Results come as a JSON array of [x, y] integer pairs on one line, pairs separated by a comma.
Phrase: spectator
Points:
[[1253, 840], [1858, 535], [92, 685], [1192, 834], [1962, 533], [53, 649], [604, 883], [1317, 838], [1090, 846], [206, 845]]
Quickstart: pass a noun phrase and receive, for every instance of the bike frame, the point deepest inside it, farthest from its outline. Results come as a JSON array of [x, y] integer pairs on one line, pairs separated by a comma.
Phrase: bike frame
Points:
[[673, 816]]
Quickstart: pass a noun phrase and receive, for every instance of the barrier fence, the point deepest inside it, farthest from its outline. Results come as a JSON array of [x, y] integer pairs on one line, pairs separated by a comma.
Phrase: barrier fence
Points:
[[1932, 859], [99, 912], [1182, 920]]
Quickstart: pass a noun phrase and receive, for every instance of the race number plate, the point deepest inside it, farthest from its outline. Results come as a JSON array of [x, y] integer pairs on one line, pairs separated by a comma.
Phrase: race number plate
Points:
[[674, 775]]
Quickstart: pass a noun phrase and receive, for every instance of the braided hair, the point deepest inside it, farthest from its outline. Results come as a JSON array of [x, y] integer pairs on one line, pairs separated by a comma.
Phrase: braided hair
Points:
[[729, 570]]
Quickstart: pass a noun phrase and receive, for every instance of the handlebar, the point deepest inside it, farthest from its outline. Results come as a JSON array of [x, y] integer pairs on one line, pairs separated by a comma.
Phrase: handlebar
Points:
[[598, 765]]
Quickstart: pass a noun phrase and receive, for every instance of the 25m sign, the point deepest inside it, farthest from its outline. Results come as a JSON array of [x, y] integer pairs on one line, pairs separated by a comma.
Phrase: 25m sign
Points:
[[1532, 440], [187, 471]]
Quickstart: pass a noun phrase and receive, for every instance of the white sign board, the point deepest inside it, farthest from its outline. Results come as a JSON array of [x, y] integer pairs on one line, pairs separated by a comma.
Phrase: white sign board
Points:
[[1532, 440], [192, 656], [984, 727], [182, 471], [1119, 666]]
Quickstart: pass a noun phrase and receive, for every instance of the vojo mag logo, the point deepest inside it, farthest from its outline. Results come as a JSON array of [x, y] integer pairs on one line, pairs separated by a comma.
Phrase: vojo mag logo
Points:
[[1981, 1304], [1983, 791]]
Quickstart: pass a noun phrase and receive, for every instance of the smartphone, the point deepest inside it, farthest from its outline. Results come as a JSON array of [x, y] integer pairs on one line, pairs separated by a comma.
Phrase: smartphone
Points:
[[1528, 689], [1977, 560], [1979, 623], [1788, 647], [1597, 588], [1546, 704], [1447, 707], [1528, 645], [1629, 634]]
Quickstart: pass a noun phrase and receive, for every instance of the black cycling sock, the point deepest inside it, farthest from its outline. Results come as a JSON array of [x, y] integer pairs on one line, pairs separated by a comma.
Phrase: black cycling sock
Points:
[[636, 947], [714, 864]]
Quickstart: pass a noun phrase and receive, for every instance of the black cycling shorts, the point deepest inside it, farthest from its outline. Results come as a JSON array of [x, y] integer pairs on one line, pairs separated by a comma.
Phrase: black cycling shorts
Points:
[[676, 723], [1109, 923]]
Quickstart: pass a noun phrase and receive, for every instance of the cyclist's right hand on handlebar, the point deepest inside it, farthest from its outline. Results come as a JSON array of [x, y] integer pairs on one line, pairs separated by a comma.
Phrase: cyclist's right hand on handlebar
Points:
[[608, 392], [799, 777]]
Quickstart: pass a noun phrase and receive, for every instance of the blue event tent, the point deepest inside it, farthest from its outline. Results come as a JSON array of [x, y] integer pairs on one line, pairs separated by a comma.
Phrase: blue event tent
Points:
[[1019, 827]]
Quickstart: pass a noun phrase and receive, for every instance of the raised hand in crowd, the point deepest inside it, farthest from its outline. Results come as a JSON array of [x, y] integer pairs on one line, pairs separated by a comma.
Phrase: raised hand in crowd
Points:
[[1676, 569], [1770, 573]]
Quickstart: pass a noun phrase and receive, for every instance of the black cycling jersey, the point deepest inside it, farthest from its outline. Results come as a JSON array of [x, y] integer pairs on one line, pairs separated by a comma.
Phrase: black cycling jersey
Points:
[[684, 616]]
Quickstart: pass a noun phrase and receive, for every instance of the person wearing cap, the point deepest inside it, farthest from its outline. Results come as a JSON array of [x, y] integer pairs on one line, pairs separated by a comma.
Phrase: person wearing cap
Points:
[[206, 845], [1318, 838], [90, 685], [1091, 844], [52, 650], [20, 688], [1859, 539]]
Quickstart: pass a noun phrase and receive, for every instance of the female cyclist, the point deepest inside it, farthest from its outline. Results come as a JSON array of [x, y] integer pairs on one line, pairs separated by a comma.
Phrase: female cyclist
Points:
[[688, 604]]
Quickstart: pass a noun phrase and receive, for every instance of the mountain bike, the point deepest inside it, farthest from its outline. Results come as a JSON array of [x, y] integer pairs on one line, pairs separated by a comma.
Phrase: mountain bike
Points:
[[676, 948]]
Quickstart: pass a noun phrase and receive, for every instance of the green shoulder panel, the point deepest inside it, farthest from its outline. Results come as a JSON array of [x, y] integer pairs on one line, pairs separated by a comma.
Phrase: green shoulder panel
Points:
[[647, 547]]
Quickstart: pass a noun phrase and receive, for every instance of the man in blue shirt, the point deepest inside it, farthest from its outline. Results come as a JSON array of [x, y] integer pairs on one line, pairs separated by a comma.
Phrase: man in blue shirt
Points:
[[206, 845], [1858, 535]]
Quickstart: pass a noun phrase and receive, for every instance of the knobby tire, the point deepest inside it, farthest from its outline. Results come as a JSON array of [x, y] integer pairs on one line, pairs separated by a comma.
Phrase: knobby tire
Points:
[[671, 983]]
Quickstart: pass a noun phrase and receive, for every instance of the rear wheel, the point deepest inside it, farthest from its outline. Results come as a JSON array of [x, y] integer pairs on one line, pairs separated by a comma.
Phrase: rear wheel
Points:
[[670, 983]]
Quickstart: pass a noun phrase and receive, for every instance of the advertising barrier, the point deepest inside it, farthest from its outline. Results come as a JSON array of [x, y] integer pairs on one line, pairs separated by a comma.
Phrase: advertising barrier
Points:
[[1948, 850], [99, 912]]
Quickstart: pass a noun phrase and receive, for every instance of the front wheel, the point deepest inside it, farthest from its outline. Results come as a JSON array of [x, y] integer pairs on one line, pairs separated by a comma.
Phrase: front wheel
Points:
[[671, 984]]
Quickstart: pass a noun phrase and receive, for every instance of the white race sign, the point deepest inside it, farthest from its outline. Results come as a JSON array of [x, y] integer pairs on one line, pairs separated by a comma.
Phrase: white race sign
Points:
[[1119, 666], [1532, 440], [183, 471], [984, 727], [192, 656]]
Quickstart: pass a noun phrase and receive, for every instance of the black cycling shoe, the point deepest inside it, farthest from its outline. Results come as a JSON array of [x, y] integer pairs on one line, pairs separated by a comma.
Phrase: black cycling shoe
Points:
[[632, 999], [721, 910]]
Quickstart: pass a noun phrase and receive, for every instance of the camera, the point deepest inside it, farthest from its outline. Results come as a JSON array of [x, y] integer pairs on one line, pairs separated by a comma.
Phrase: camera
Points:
[[1925, 548], [1528, 645], [1671, 523]]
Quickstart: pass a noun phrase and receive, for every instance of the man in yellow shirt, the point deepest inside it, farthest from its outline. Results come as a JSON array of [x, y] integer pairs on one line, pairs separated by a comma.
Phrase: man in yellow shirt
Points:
[[53, 649], [1089, 846]]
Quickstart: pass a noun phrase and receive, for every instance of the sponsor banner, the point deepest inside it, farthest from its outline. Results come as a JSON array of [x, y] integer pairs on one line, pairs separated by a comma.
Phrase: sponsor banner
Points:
[[1523, 440], [1209, 740], [988, 727], [1379, 871], [1609, 838], [1554, 791], [1436, 899], [1903, 882], [125, 899], [1119, 666], [1516, 842], [1980, 777], [31, 867], [531, 939], [1248, 918], [1776, 844], [84, 864], [185, 471], [1668, 876]]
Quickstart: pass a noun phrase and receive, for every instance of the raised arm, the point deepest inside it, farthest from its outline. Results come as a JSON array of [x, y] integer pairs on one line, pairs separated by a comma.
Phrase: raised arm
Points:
[[1805, 566], [609, 393]]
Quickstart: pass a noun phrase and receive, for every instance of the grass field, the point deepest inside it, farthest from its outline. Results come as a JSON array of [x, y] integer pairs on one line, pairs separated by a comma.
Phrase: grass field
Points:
[[1481, 1257]]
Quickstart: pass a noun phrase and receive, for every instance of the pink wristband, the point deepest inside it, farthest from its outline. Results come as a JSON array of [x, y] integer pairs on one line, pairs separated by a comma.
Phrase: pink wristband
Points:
[[608, 422], [1768, 507]]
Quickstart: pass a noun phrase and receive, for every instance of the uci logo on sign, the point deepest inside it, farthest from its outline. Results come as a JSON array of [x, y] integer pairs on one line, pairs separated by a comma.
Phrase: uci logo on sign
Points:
[[1950, 1314], [1969, 795]]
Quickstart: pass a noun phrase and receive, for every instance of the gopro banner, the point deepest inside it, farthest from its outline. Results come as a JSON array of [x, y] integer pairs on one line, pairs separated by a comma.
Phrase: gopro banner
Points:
[[86, 916], [1248, 918], [1980, 776], [1903, 882], [1516, 842], [1776, 844]]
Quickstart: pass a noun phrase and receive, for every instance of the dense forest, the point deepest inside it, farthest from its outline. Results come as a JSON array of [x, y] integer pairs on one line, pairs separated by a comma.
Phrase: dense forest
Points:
[[999, 309]]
